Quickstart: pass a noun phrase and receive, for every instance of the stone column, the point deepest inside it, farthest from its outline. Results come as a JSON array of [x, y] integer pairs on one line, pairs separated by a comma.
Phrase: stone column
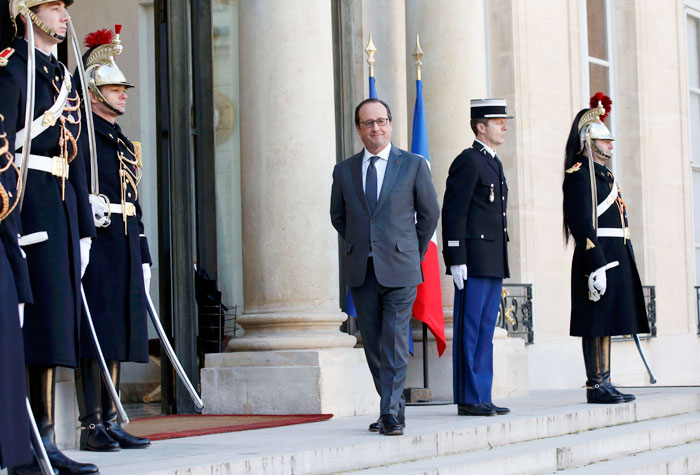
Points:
[[453, 39], [293, 358]]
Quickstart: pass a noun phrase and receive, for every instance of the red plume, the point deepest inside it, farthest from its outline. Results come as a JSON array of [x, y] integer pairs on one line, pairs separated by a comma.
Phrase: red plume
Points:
[[605, 100], [99, 38], [118, 29]]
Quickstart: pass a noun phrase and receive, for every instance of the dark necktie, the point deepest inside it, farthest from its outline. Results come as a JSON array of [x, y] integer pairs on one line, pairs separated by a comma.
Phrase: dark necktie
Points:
[[371, 184]]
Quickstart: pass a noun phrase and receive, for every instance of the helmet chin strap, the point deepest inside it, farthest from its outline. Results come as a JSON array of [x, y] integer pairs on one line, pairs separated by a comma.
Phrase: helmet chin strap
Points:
[[43, 26], [605, 156]]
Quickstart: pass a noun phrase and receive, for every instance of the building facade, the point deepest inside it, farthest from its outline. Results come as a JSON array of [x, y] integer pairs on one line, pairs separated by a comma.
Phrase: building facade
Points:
[[245, 106]]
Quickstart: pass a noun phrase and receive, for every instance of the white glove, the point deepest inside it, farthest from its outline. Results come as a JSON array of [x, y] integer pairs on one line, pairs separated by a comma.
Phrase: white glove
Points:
[[459, 275], [147, 275], [597, 284], [85, 244], [100, 210], [21, 315]]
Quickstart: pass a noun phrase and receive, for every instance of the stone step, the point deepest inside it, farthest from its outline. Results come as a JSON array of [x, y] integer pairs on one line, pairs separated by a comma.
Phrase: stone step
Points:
[[344, 444], [561, 453], [681, 459]]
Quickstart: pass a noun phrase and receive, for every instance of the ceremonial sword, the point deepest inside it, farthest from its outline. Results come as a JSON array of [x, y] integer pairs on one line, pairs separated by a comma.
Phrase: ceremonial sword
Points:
[[39, 450], [101, 361], [199, 404], [652, 379], [29, 109]]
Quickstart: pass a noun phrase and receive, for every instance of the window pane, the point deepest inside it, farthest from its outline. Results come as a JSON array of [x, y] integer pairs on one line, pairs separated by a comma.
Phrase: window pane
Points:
[[695, 128], [693, 52], [598, 79], [597, 37]]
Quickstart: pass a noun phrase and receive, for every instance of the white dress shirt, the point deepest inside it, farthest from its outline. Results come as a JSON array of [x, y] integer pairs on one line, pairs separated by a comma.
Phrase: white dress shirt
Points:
[[491, 151], [380, 165]]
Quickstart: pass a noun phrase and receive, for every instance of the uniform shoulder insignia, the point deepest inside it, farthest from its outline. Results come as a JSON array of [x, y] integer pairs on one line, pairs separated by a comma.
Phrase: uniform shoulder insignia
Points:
[[589, 244], [5, 56], [575, 168], [138, 153]]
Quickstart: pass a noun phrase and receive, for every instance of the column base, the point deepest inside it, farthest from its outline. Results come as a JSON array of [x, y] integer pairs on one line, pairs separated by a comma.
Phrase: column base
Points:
[[326, 381]]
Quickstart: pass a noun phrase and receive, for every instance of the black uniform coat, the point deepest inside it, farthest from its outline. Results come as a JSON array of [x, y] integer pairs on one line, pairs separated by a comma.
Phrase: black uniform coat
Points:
[[474, 226], [114, 279], [52, 322], [14, 282], [621, 310]]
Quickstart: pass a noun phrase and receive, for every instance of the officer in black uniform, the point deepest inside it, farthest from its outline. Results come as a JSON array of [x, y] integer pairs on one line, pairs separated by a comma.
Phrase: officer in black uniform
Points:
[[15, 292], [117, 278], [56, 216], [606, 292], [474, 241]]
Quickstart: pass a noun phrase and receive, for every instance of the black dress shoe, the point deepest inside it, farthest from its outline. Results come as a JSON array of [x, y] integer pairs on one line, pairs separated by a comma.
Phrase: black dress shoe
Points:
[[600, 394], [626, 397], [66, 466], [94, 438], [390, 425], [376, 426], [500, 411], [474, 410], [124, 439]]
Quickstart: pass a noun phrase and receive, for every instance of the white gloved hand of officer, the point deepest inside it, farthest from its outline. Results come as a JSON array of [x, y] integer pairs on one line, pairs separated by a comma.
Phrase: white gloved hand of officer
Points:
[[101, 214], [147, 275], [85, 244], [597, 284], [21, 315], [459, 275]]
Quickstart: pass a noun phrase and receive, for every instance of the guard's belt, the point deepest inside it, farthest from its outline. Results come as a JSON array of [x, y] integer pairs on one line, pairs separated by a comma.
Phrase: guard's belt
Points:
[[614, 232], [130, 209], [56, 166], [48, 118], [608, 201]]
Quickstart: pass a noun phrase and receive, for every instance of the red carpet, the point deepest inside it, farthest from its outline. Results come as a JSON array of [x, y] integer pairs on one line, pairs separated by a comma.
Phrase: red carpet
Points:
[[189, 425]]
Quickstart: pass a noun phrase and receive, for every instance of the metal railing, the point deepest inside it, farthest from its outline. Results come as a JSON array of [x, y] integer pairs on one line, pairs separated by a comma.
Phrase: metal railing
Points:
[[515, 312], [650, 302], [697, 300], [217, 323]]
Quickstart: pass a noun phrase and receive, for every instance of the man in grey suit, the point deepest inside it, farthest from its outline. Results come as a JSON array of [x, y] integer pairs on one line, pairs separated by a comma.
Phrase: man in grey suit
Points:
[[384, 206]]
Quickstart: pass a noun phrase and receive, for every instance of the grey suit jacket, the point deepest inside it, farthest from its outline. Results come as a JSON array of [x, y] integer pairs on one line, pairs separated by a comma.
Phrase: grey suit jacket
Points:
[[401, 226]]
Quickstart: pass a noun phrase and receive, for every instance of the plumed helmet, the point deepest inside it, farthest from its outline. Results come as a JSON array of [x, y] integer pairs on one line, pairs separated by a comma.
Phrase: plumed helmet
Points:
[[100, 66], [591, 124]]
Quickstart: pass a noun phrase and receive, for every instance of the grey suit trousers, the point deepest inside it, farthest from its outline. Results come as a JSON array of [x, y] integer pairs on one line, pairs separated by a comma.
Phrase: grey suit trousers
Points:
[[384, 316]]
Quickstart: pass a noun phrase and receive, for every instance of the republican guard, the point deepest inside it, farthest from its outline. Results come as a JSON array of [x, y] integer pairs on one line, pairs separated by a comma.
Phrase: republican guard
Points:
[[56, 218], [474, 241], [15, 292], [117, 279], [606, 292]]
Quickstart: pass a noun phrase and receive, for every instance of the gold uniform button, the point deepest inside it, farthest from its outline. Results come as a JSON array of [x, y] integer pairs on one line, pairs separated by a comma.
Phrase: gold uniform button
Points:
[[504, 213], [505, 230], [482, 236]]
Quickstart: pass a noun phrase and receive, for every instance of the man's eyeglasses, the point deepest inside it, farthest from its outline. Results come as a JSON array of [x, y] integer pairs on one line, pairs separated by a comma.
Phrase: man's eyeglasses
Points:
[[368, 124]]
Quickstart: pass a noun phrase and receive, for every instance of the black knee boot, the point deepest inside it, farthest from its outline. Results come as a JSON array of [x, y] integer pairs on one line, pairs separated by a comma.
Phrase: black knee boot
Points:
[[93, 436], [605, 358], [109, 415], [42, 392], [598, 370]]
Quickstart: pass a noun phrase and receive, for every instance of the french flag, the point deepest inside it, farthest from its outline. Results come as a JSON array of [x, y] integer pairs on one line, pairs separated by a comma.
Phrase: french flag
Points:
[[428, 305]]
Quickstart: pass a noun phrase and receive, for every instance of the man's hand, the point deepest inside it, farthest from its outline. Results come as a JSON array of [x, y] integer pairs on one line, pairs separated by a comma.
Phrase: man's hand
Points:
[[85, 244], [459, 275], [147, 275]]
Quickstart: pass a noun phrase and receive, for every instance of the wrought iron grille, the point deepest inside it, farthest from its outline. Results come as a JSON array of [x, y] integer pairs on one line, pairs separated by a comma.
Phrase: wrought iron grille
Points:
[[515, 312], [650, 301], [217, 323]]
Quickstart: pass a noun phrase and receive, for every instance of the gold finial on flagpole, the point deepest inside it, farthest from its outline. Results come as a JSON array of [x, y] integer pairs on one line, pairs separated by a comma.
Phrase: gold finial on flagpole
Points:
[[417, 55], [370, 50]]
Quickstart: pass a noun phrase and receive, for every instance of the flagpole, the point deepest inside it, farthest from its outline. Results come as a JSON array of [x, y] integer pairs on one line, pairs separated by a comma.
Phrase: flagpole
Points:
[[417, 55], [370, 49]]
